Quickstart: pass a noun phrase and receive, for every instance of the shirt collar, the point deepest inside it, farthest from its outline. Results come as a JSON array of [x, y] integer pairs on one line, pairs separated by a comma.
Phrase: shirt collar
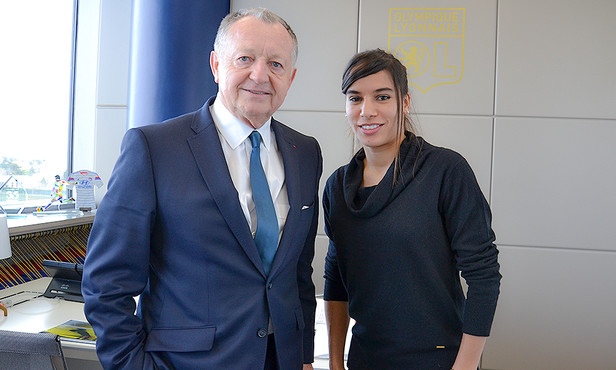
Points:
[[233, 130]]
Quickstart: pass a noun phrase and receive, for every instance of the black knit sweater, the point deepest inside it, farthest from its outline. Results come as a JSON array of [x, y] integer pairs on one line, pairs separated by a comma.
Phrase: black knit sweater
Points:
[[395, 254]]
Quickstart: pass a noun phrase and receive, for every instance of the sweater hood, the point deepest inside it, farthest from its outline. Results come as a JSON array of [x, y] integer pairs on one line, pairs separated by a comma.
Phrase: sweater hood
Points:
[[384, 193]]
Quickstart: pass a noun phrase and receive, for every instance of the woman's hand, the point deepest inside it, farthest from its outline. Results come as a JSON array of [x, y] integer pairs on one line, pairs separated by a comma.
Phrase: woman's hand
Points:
[[469, 353]]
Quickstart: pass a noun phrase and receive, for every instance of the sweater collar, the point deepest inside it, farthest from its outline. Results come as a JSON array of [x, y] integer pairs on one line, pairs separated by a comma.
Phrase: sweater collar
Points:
[[385, 192]]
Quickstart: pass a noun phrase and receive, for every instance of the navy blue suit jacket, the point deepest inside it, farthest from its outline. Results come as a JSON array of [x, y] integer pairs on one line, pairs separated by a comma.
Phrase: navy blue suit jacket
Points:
[[171, 230]]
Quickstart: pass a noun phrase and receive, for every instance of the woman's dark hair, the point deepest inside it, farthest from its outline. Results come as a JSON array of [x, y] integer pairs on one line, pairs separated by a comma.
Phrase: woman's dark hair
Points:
[[370, 62]]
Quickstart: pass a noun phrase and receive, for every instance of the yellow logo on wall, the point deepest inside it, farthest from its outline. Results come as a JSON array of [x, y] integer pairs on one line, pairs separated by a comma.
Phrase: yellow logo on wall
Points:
[[430, 43]]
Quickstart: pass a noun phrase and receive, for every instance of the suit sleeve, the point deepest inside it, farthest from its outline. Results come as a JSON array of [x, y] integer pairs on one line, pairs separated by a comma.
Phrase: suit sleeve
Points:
[[304, 267], [117, 260]]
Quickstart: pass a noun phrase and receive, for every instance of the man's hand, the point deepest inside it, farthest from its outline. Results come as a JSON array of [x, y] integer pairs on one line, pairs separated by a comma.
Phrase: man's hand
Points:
[[307, 367]]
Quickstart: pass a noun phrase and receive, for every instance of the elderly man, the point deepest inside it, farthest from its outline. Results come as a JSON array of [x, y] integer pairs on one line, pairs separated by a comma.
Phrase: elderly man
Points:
[[210, 219]]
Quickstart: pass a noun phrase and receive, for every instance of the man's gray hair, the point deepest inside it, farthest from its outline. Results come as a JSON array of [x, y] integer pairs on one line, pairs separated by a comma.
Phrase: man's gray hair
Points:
[[261, 14]]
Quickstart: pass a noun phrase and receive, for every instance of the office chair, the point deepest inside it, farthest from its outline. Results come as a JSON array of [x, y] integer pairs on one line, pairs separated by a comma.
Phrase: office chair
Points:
[[33, 351]]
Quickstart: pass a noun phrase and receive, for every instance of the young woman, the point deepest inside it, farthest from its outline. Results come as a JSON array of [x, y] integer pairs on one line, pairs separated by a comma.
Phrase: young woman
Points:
[[404, 217]]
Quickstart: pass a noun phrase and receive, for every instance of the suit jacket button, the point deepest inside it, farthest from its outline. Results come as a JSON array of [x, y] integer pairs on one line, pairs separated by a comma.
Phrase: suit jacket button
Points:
[[269, 286], [262, 333]]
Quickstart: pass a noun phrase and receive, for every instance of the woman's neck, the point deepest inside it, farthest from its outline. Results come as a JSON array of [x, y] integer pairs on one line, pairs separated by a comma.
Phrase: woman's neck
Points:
[[377, 162]]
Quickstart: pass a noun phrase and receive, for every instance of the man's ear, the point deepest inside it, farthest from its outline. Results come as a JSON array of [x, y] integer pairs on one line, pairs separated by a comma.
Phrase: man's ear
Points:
[[214, 65], [293, 75]]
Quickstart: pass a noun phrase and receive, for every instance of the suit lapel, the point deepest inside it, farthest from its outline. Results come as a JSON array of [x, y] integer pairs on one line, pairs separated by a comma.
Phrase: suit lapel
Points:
[[207, 150], [291, 164]]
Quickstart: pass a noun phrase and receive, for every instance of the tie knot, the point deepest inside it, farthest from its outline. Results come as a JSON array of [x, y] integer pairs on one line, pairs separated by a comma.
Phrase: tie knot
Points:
[[255, 139]]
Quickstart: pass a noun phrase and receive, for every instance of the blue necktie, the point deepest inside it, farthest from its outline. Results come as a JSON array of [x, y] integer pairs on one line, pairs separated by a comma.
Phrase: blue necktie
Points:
[[266, 237]]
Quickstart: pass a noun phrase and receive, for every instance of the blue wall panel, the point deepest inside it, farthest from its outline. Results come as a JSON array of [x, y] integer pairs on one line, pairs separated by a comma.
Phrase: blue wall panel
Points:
[[171, 43]]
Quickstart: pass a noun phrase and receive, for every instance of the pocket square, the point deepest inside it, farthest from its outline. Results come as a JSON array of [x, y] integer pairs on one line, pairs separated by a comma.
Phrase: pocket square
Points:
[[305, 207]]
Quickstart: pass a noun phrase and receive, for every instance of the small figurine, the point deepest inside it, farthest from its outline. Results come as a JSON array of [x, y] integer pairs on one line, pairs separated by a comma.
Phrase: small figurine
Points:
[[59, 193]]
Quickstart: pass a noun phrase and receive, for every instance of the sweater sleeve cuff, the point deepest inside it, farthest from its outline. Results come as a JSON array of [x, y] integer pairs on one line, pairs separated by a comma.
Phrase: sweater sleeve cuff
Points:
[[334, 291], [478, 319]]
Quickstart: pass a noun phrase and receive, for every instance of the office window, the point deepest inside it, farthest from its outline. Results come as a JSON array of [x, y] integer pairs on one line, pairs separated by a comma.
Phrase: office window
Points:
[[36, 81]]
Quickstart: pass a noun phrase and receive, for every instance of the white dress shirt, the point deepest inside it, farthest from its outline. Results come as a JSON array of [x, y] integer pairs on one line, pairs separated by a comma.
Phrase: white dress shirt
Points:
[[237, 147]]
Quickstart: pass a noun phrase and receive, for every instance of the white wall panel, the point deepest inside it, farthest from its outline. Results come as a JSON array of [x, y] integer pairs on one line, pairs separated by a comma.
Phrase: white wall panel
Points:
[[330, 129], [109, 131], [554, 182], [332, 132], [556, 311], [327, 37], [468, 54], [469, 136], [556, 58], [114, 46]]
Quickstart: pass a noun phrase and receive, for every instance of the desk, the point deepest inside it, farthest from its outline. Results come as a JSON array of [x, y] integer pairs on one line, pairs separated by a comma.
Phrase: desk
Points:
[[42, 313]]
